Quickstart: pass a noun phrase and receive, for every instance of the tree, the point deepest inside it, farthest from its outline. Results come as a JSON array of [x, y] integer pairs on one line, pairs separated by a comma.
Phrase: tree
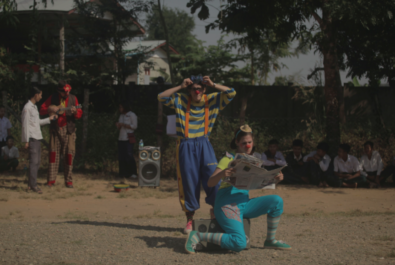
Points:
[[287, 19], [218, 61], [367, 52], [180, 25]]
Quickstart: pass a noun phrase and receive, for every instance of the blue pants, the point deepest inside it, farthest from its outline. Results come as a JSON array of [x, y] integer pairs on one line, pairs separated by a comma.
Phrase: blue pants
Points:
[[196, 163], [230, 209]]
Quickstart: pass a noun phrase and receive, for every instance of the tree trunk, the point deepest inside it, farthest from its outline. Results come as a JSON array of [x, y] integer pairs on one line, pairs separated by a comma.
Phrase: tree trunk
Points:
[[332, 85], [62, 46], [244, 100], [167, 43], [4, 96], [85, 122]]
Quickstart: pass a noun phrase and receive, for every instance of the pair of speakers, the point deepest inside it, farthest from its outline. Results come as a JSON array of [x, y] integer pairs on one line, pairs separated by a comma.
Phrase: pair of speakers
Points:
[[149, 166], [212, 226]]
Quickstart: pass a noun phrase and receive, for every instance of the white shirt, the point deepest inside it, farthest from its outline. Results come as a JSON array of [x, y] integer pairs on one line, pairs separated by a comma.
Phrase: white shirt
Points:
[[374, 164], [324, 163], [31, 122], [350, 166], [10, 153], [280, 160], [130, 119], [5, 124]]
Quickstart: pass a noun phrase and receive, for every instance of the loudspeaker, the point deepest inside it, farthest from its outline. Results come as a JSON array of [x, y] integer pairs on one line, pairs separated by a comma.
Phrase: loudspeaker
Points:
[[149, 166], [212, 226]]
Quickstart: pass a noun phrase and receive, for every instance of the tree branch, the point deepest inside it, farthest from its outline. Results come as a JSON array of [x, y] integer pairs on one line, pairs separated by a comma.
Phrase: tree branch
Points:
[[317, 17], [314, 72]]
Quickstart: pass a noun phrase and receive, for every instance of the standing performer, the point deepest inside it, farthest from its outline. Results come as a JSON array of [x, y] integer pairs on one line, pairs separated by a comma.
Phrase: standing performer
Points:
[[32, 136], [232, 205], [62, 132], [196, 113]]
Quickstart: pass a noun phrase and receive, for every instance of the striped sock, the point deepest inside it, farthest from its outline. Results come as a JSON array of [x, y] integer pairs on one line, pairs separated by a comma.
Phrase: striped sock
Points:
[[272, 223], [210, 237]]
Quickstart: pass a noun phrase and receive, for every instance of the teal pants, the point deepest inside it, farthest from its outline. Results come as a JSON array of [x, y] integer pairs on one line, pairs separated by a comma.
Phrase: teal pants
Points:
[[232, 205]]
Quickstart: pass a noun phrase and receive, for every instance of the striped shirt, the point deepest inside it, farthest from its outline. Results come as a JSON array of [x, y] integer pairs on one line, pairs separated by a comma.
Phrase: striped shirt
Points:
[[179, 102]]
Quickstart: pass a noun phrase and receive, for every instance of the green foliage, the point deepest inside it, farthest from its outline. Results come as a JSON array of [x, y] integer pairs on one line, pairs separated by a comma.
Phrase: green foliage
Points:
[[217, 61], [180, 25]]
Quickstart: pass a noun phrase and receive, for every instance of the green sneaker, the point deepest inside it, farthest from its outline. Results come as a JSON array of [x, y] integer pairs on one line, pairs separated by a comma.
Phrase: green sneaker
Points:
[[281, 245], [192, 242]]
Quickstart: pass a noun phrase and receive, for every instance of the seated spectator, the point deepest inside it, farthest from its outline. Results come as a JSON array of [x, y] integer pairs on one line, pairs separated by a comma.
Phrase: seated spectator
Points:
[[317, 164], [372, 166], [347, 168], [9, 155], [5, 127], [273, 158], [294, 173]]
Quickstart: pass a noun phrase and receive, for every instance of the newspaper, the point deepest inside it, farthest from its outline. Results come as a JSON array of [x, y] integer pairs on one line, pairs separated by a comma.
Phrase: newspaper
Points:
[[250, 175]]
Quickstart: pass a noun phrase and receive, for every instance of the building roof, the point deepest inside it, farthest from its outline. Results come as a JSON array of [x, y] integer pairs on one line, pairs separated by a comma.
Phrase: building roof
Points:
[[66, 6], [58, 5], [149, 44]]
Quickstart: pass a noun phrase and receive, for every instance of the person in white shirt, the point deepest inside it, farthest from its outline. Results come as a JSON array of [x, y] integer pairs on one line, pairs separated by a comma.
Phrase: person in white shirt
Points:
[[373, 167], [126, 125], [32, 136], [5, 127], [347, 168], [9, 155], [317, 164], [273, 158]]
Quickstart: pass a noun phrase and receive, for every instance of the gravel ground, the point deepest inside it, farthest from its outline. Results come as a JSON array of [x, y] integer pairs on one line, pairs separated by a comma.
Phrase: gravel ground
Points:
[[344, 238]]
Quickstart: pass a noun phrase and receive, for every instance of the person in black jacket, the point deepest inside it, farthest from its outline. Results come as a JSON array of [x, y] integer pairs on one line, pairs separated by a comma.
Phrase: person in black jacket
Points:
[[294, 173]]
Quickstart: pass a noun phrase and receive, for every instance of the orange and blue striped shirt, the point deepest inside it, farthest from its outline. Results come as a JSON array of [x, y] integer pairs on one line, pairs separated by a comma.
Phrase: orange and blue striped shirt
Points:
[[179, 102]]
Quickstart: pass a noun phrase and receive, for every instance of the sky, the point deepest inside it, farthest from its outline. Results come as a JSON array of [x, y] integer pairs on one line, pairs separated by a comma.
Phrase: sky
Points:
[[300, 66]]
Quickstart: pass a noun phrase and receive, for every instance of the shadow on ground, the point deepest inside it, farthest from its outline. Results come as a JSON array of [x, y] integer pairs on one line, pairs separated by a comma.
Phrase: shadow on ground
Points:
[[128, 226]]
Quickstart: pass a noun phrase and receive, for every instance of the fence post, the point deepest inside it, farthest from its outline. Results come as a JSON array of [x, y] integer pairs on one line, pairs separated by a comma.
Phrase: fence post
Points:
[[4, 96], [85, 122]]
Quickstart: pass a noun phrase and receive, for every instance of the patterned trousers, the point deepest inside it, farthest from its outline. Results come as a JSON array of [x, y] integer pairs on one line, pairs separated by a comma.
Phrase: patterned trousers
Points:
[[61, 143]]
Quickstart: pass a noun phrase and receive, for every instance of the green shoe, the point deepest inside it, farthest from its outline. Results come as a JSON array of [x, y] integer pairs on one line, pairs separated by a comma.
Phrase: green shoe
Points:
[[190, 244], [281, 245]]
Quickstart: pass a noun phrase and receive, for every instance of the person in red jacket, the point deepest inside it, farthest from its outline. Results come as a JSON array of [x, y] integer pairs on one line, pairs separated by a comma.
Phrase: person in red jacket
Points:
[[62, 132]]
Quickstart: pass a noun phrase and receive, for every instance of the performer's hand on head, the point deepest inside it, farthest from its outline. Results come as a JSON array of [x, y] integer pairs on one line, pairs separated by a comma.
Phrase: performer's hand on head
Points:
[[186, 83], [207, 81]]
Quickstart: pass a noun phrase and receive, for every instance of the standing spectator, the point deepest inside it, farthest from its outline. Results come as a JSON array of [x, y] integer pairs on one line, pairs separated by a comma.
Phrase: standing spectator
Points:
[[32, 136], [273, 158], [126, 125], [294, 173], [62, 141], [9, 155], [5, 127], [373, 167], [317, 164], [347, 168]]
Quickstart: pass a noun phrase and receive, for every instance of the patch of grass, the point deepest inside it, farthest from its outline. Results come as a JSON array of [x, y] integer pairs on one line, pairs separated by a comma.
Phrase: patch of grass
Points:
[[123, 195], [145, 216], [75, 216], [299, 235], [391, 254], [100, 197], [4, 198], [384, 238], [78, 242], [353, 213]]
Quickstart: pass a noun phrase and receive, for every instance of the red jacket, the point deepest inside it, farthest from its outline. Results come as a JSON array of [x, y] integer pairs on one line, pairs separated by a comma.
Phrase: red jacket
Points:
[[61, 118]]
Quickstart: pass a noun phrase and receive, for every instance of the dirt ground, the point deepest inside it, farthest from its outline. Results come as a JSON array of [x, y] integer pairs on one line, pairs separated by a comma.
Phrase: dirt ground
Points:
[[92, 224]]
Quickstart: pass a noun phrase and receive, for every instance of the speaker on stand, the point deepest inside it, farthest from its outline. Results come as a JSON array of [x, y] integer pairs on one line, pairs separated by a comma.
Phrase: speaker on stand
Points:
[[149, 166]]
